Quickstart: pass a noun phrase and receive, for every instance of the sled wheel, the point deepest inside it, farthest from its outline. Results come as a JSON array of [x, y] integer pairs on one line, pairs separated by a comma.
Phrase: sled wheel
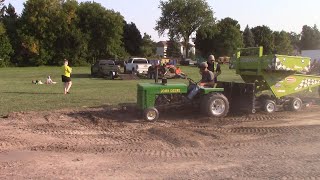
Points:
[[269, 106], [295, 104]]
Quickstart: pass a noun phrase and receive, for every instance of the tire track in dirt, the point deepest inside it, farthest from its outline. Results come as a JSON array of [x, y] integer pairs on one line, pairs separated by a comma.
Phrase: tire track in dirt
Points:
[[11, 164], [262, 130], [9, 143], [178, 153]]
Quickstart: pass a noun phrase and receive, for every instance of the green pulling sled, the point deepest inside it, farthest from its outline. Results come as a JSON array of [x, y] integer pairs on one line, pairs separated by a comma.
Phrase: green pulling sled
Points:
[[270, 82]]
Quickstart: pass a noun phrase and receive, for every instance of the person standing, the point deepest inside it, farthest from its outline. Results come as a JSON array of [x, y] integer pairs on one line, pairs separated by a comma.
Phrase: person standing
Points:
[[66, 77], [211, 63]]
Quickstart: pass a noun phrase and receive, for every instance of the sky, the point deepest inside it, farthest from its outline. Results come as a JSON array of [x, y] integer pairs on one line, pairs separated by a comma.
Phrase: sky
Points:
[[288, 15]]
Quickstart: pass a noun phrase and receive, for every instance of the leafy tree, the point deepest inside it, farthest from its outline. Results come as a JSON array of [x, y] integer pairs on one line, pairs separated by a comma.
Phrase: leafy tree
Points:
[[183, 17], [11, 22], [282, 43], [2, 8], [5, 47], [132, 39], [295, 39], [104, 29], [248, 37], [148, 48], [228, 38], [220, 40], [310, 38], [173, 48], [38, 31], [204, 40], [263, 37], [71, 43]]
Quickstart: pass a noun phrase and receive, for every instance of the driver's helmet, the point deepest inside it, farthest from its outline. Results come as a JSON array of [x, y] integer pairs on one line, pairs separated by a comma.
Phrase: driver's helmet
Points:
[[203, 65]]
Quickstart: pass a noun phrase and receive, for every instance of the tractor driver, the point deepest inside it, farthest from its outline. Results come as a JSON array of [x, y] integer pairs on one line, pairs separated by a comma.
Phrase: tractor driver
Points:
[[208, 77], [207, 80]]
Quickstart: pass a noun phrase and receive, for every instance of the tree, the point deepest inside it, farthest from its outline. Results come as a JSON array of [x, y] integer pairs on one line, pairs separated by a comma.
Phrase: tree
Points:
[[204, 40], [221, 40], [183, 17], [38, 31], [228, 38], [11, 22], [310, 38], [5, 47], [148, 48], [132, 39], [104, 29], [2, 8], [263, 37], [248, 37], [282, 43], [173, 48], [71, 43], [295, 40]]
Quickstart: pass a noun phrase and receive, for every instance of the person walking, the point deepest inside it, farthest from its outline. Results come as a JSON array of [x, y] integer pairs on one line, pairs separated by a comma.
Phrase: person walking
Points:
[[66, 76]]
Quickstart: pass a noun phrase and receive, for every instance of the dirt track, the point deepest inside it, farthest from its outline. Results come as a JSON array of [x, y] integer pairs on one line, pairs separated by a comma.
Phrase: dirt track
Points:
[[105, 143]]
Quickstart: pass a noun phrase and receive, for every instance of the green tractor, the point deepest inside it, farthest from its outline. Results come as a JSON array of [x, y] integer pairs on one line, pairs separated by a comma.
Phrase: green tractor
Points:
[[280, 76]]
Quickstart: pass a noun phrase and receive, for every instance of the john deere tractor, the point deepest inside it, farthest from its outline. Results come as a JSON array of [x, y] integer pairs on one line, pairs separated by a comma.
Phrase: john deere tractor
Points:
[[270, 82]]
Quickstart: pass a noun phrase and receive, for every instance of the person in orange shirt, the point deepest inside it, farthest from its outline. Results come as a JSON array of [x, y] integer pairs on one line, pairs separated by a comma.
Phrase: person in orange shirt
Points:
[[66, 77]]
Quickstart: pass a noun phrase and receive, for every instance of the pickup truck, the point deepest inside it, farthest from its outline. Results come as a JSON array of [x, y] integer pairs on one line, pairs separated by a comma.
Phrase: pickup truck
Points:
[[137, 65], [105, 68]]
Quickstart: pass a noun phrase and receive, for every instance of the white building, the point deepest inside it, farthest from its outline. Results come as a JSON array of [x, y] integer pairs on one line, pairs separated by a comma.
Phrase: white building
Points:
[[163, 45]]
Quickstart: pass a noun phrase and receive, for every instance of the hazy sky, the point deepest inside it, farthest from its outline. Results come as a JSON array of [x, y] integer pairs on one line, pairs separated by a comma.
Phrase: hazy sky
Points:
[[288, 15]]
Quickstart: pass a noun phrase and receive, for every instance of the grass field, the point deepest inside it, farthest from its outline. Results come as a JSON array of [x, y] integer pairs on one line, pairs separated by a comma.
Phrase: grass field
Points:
[[19, 94]]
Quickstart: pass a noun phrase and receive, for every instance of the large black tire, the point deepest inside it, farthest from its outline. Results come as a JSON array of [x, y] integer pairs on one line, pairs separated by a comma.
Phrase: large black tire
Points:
[[295, 104], [215, 105], [269, 106], [151, 114]]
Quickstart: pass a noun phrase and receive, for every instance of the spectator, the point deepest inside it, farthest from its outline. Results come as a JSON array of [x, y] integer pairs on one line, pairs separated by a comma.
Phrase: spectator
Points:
[[66, 77]]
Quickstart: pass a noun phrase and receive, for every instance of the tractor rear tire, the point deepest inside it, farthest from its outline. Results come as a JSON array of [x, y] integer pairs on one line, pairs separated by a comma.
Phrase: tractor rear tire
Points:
[[269, 106], [151, 114], [215, 105], [295, 104]]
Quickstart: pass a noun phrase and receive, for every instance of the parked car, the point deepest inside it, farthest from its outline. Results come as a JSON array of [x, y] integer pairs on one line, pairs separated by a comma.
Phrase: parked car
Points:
[[187, 62], [137, 65], [105, 68]]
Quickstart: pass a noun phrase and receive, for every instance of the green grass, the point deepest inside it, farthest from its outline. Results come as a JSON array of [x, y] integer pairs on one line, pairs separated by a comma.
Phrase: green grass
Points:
[[19, 94]]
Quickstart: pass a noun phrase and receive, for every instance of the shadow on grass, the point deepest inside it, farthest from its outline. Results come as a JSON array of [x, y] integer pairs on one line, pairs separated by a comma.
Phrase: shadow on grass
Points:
[[30, 93], [81, 76]]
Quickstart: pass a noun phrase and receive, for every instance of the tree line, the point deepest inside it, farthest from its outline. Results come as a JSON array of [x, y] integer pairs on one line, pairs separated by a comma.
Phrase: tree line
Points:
[[225, 36], [182, 18], [48, 31]]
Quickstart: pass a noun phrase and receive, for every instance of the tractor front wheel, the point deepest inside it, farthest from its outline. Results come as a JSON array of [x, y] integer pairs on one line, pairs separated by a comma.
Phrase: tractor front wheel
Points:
[[151, 114], [269, 106], [216, 105]]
